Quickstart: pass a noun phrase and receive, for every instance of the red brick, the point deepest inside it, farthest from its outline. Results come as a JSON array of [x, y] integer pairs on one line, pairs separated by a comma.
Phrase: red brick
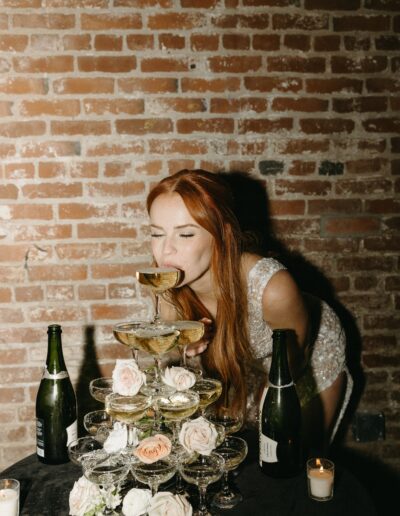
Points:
[[367, 166], [21, 129], [144, 126], [121, 291], [20, 335], [326, 126], [234, 64], [50, 149], [26, 211], [384, 206], [11, 316], [328, 43], [13, 42], [106, 149], [212, 85], [365, 283], [82, 86], [106, 230], [305, 187], [56, 64], [302, 145], [111, 312], [140, 4], [297, 41], [177, 147], [60, 293], [357, 43], [91, 292], [160, 105], [382, 125], [140, 41], [298, 21], [7, 150], [79, 42], [204, 42], [85, 211], [270, 84], [369, 64], [264, 125], [111, 21], [382, 85], [85, 252], [302, 168], [354, 23], [342, 84], [174, 165], [52, 169], [23, 86], [365, 263], [176, 21], [28, 294], [115, 106], [212, 125], [114, 270], [117, 169], [107, 64], [350, 226], [358, 187], [224, 105], [296, 64], [307, 104], [303, 227], [108, 42], [57, 272], [30, 232], [381, 243], [64, 108], [331, 206], [19, 171], [51, 21], [171, 41], [148, 85], [360, 104], [80, 127], [12, 395], [115, 189], [5, 297], [52, 190], [236, 41], [164, 64], [279, 207], [64, 313]]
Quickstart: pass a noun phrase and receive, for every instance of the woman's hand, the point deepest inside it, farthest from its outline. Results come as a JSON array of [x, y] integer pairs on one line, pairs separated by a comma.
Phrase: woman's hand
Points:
[[201, 345]]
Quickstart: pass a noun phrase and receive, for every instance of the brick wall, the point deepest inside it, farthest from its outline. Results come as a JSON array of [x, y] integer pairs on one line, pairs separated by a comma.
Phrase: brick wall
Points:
[[101, 98]]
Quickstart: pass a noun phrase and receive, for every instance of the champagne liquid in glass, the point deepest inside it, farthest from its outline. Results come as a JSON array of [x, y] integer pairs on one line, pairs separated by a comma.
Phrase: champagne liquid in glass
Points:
[[100, 388], [209, 391], [154, 474]]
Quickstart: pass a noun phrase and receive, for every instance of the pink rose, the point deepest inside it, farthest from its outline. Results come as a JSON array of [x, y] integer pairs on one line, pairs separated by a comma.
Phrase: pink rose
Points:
[[127, 377], [153, 448], [165, 503], [198, 435]]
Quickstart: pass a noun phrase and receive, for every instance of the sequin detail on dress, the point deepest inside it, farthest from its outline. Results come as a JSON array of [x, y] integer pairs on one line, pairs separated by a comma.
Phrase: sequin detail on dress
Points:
[[327, 352]]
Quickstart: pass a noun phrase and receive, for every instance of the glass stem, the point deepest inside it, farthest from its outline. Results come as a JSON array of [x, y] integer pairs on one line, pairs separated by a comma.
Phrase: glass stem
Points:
[[179, 483], [184, 362], [158, 308], [202, 500], [154, 488], [225, 483], [131, 434]]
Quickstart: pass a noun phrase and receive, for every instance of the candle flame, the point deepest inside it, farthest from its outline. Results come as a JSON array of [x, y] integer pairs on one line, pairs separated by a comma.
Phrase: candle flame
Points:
[[321, 467]]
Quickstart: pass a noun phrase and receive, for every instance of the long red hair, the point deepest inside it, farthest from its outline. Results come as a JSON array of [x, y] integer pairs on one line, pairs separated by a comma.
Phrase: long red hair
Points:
[[208, 199]]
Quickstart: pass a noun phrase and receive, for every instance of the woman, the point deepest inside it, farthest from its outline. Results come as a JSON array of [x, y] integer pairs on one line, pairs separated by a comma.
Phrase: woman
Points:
[[243, 297]]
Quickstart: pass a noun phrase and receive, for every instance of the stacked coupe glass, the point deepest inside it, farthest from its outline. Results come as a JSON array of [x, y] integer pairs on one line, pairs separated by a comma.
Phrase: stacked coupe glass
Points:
[[159, 409]]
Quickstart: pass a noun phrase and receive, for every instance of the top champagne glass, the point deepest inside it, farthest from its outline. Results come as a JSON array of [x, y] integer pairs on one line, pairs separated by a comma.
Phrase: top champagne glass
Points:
[[158, 279]]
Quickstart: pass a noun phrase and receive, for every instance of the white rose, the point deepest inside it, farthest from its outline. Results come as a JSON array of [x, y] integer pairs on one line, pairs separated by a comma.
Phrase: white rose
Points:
[[198, 435], [84, 497], [127, 377], [136, 502], [117, 438], [167, 504], [179, 378]]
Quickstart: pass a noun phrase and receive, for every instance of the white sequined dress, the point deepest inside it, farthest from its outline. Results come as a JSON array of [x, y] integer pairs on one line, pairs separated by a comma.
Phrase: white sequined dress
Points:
[[327, 355]]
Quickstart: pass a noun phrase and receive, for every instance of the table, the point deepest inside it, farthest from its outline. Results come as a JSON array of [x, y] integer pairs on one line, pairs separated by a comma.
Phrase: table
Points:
[[45, 490]]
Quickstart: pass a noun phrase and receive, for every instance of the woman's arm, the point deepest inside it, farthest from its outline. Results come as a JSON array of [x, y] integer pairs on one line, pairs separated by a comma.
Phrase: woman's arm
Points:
[[284, 307]]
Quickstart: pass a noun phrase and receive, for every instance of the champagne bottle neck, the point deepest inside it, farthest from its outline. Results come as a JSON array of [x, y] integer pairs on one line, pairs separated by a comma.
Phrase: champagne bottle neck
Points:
[[279, 374], [55, 365]]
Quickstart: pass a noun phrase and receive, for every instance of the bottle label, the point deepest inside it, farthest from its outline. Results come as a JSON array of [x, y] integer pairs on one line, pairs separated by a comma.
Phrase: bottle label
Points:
[[72, 432], [40, 437], [58, 376], [268, 449]]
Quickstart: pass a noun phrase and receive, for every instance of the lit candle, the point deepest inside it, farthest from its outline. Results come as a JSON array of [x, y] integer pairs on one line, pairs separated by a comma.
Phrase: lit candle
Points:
[[320, 474], [8, 502]]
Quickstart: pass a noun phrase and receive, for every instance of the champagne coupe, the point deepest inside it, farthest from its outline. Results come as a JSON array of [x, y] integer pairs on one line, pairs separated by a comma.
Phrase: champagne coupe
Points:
[[85, 449], [98, 423], [209, 390], [108, 473], [234, 451], [100, 387], [203, 471], [128, 410], [123, 333], [231, 420], [156, 339], [158, 279], [155, 473], [178, 406], [189, 332]]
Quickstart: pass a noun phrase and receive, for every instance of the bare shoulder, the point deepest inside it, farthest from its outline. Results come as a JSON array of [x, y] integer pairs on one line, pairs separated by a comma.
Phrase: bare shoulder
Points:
[[282, 298]]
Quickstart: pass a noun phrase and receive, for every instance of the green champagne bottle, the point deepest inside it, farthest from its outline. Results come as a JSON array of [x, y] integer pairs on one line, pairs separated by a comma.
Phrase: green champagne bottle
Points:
[[280, 416], [56, 421]]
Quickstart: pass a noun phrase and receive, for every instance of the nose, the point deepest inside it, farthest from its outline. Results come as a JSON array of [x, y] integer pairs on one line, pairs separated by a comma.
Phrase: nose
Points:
[[169, 246]]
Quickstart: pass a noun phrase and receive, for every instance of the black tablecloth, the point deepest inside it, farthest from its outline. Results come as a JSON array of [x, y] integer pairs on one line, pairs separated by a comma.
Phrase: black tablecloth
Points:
[[45, 490]]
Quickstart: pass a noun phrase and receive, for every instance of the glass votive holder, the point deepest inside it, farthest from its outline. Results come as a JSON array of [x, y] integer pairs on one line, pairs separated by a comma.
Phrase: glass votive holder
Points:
[[320, 479], [9, 497]]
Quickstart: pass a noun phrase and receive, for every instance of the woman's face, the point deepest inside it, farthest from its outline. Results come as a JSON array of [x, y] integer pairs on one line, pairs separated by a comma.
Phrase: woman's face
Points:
[[178, 241]]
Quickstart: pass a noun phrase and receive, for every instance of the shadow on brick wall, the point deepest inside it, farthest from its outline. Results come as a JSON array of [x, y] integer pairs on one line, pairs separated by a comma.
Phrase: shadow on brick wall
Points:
[[253, 212], [88, 371]]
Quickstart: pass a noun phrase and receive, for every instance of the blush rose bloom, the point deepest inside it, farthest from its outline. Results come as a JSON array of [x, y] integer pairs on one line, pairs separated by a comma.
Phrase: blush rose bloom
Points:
[[127, 377], [198, 435], [179, 378], [84, 497], [136, 502], [167, 504], [153, 448]]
